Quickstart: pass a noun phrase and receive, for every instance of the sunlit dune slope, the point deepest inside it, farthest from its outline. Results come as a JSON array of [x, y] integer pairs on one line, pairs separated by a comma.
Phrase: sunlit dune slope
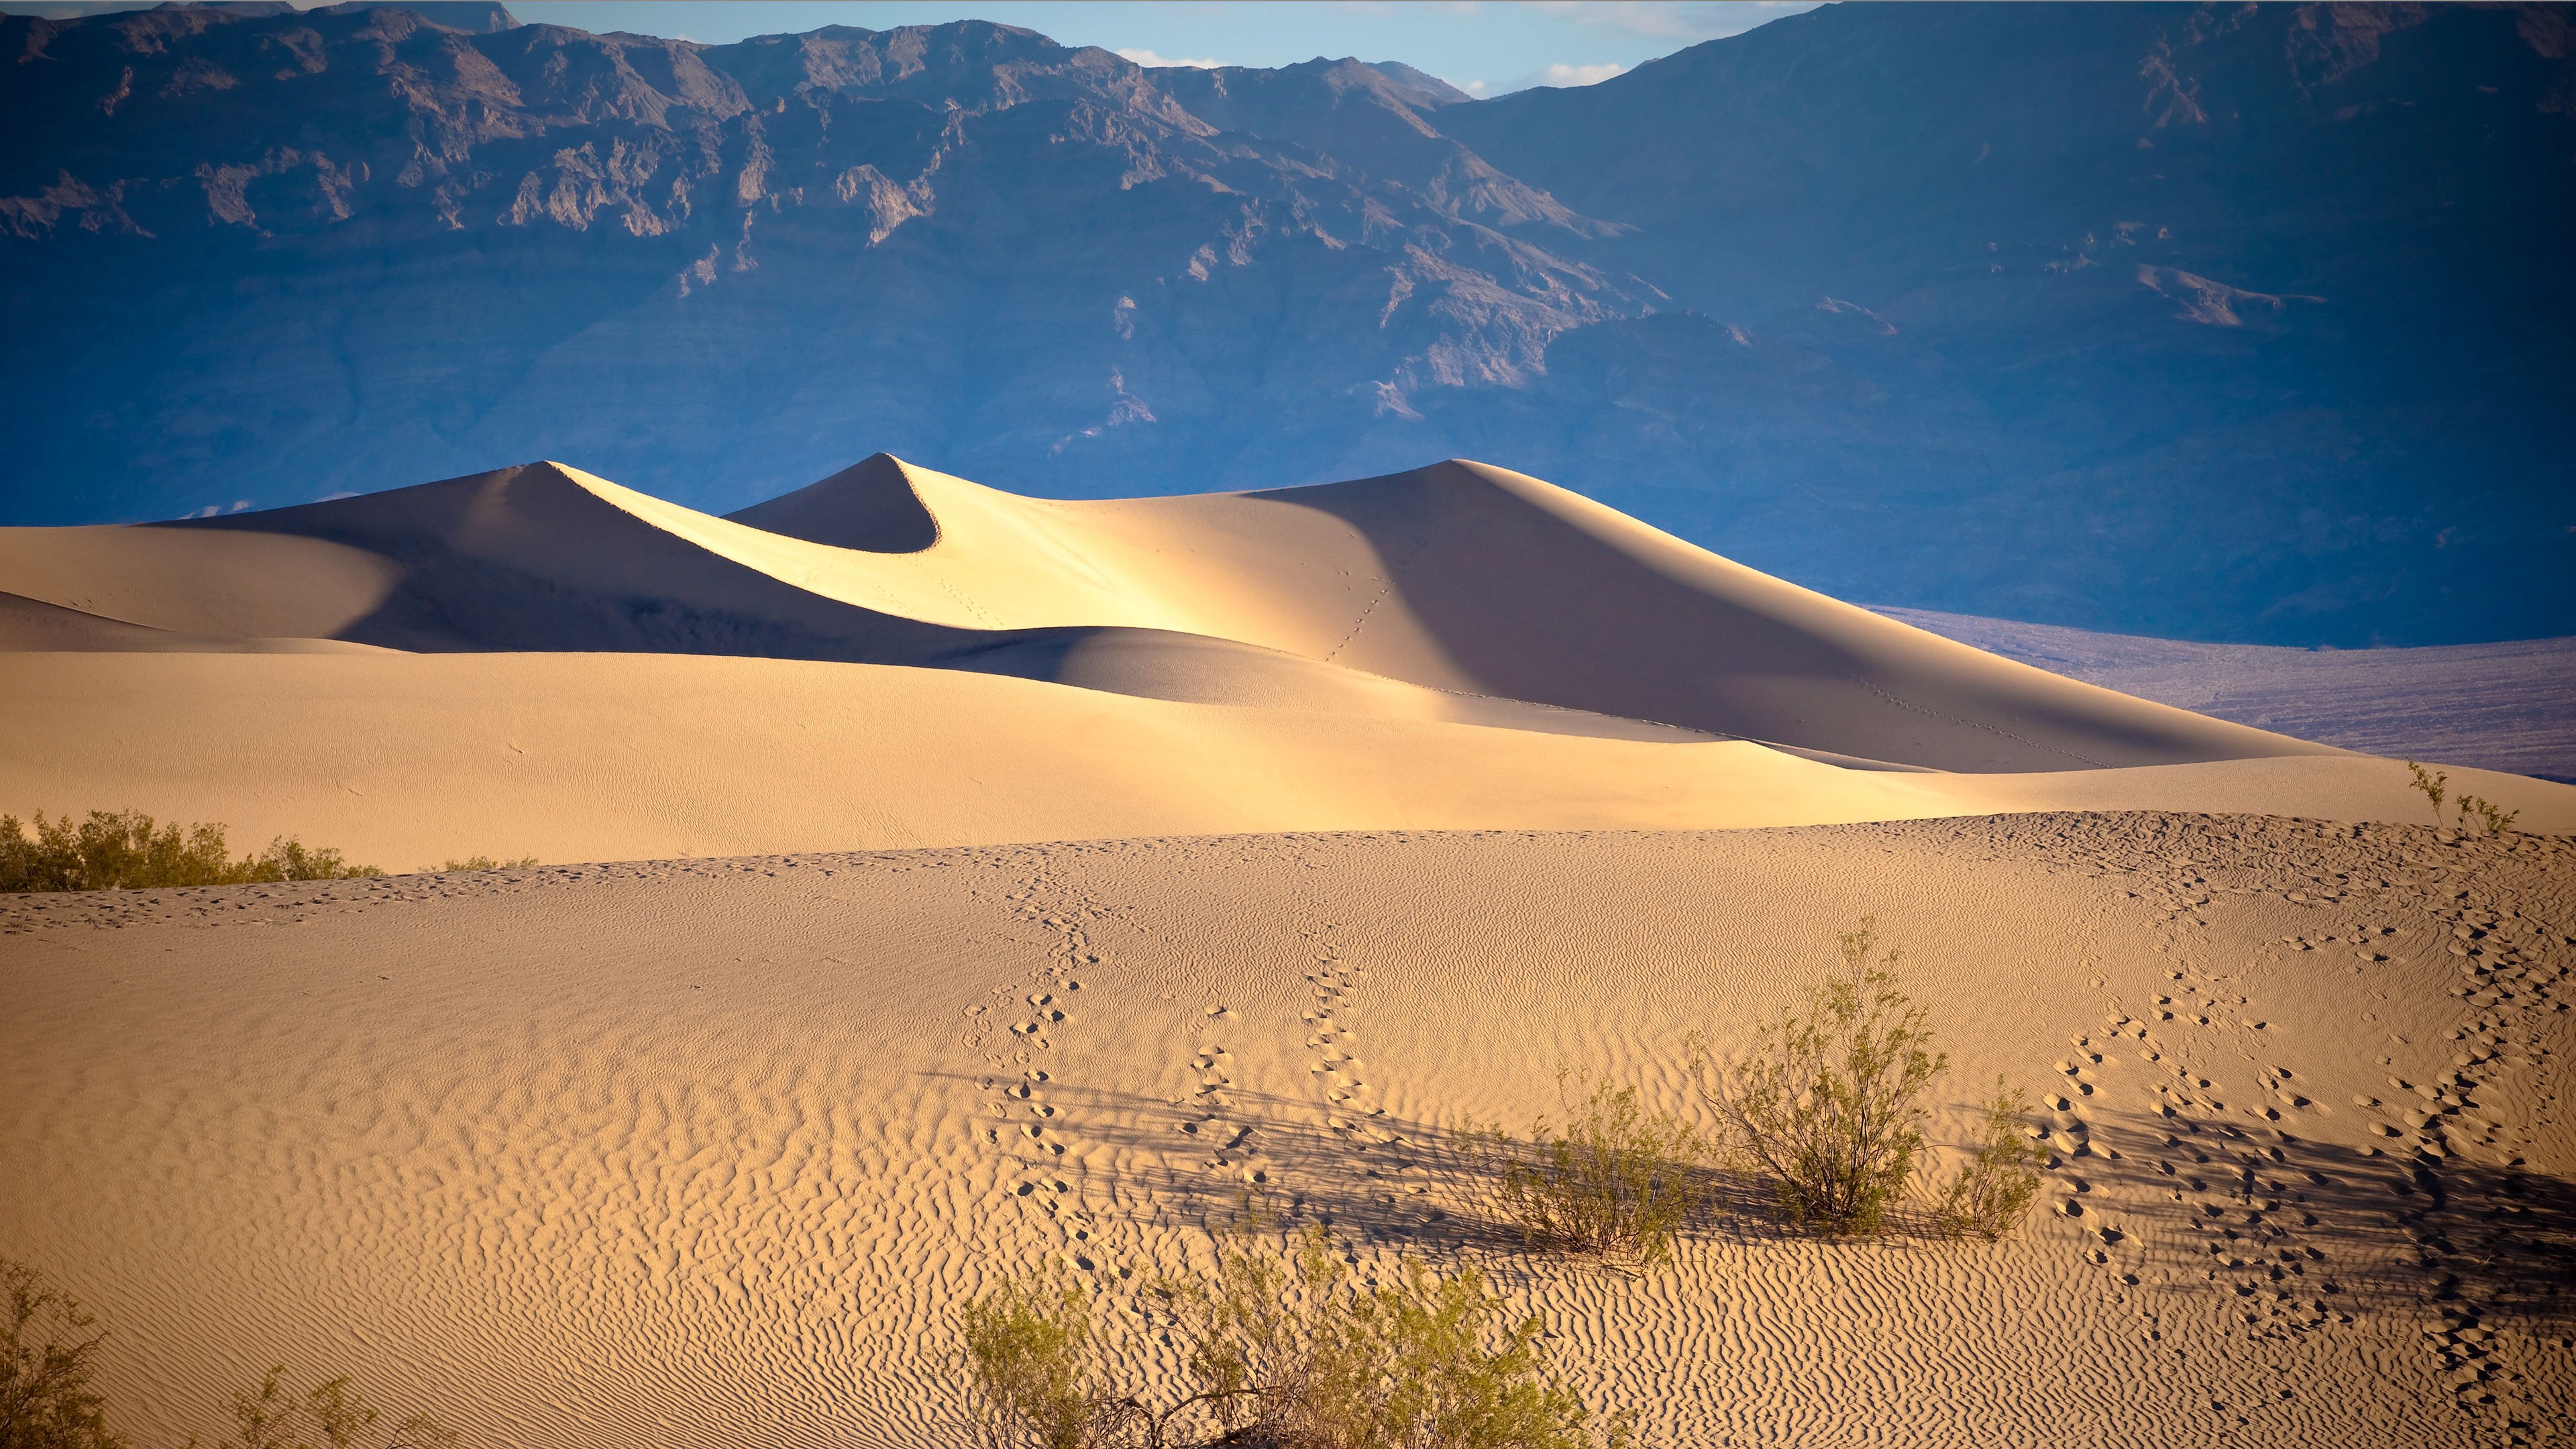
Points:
[[406, 760], [1458, 593]]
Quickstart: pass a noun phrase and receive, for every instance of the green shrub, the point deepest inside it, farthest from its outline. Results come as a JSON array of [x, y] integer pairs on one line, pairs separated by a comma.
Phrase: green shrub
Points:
[[485, 862], [127, 850], [2431, 786], [1613, 1181], [1829, 1104], [336, 1415], [2496, 819], [1282, 1350], [1033, 1359], [1994, 1190], [1290, 1352], [46, 1346]]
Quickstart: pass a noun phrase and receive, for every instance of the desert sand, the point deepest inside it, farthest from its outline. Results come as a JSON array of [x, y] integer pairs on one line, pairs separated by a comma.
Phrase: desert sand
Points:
[[1061, 869]]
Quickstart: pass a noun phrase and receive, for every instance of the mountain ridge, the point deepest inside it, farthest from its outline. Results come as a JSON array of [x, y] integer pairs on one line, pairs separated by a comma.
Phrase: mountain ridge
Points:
[[271, 258]]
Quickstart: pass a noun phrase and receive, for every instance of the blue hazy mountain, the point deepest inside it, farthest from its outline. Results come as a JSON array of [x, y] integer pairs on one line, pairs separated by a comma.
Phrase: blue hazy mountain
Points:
[[2246, 323]]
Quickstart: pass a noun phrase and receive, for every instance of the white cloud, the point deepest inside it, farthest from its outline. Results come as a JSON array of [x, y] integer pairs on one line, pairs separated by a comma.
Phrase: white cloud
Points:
[[1149, 59], [1673, 19], [1478, 89], [1554, 75], [1577, 75]]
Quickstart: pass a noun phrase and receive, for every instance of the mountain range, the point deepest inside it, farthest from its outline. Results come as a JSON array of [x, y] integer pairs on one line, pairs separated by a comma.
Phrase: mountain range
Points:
[[2222, 322]]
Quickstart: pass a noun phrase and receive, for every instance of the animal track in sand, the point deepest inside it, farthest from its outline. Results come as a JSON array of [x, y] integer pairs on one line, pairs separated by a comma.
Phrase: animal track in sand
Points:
[[2249, 1189], [1341, 1075], [1043, 1174], [1207, 1116], [2482, 1108], [1392, 1170]]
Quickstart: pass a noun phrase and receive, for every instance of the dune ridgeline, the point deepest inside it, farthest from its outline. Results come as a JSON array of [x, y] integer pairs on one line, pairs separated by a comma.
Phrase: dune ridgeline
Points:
[[538, 660], [955, 890]]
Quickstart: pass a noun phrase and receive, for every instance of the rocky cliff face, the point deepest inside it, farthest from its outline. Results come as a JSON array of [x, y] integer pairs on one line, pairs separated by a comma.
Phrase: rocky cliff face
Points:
[[2235, 323]]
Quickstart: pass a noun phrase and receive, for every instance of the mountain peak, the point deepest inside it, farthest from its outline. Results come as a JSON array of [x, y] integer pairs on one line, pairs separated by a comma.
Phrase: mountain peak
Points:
[[485, 17], [1420, 87]]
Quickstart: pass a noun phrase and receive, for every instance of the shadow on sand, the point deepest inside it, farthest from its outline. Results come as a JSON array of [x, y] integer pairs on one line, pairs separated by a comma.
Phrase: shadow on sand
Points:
[[2300, 1231]]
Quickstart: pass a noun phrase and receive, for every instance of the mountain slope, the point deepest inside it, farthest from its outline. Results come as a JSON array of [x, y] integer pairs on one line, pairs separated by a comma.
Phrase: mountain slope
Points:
[[2268, 297], [414, 245], [2162, 319]]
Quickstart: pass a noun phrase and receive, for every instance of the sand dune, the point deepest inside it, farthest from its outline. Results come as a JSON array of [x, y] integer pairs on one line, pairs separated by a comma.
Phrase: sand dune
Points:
[[1226, 839], [536, 660], [405, 760], [709, 1153], [1458, 578], [32, 626]]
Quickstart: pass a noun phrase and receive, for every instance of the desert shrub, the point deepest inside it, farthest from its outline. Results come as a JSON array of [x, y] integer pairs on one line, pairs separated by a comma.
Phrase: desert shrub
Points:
[[2473, 811], [128, 850], [2495, 818], [1995, 1188], [334, 1415], [1283, 1350], [2431, 785], [1829, 1104], [1613, 1180], [485, 862], [1290, 1353], [47, 1343], [1033, 1362]]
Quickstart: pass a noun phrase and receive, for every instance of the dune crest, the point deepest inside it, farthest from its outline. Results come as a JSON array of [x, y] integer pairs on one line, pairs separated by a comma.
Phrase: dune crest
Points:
[[1459, 592], [1172, 797], [872, 505], [538, 659]]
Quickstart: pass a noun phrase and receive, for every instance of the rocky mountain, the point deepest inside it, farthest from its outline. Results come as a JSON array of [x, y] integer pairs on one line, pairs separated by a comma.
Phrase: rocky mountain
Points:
[[2202, 319], [2246, 323]]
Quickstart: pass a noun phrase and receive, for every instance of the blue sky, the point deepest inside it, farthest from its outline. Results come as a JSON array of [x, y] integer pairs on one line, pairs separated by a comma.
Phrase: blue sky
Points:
[[1486, 47]]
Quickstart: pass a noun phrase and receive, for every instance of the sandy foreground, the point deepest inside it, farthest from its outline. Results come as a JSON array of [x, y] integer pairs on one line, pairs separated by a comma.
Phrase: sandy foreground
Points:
[[709, 1152], [996, 881]]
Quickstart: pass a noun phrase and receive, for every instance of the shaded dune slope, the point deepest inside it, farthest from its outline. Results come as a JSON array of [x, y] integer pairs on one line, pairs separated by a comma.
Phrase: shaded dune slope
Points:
[[1457, 593]]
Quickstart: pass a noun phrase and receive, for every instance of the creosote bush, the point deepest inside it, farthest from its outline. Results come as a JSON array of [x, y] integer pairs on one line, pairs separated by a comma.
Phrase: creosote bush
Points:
[[1284, 1351], [128, 850], [333, 1414], [1995, 1188], [48, 1345], [1033, 1355], [1613, 1180], [1829, 1104], [2473, 811], [2431, 785], [485, 862]]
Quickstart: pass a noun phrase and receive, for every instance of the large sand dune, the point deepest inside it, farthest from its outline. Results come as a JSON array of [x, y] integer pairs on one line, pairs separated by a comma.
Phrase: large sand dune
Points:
[[709, 1153], [536, 660], [1254, 836], [405, 761], [1458, 578]]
